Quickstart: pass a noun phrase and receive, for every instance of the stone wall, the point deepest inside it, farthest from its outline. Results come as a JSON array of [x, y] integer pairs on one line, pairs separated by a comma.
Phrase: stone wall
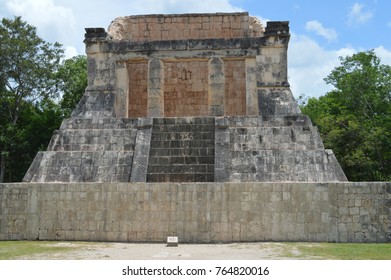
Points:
[[197, 212], [185, 26]]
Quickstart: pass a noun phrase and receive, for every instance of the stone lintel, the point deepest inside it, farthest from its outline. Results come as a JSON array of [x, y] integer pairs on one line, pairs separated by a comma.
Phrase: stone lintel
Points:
[[104, 88], [184, 45], [273, 84]]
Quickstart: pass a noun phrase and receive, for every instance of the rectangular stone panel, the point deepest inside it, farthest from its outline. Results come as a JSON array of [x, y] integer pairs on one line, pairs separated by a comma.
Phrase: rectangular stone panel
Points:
[[235, 87], [185, 88], [138, 77]]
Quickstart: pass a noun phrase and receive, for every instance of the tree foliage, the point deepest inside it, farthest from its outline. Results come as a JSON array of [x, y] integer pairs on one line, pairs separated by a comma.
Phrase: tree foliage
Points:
[[355, 118], [73, 77], [28, 81], [37, 90], [27, 64]]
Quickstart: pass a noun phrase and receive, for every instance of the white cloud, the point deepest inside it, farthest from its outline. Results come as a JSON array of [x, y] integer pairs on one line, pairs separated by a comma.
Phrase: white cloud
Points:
[[309, 64], [70, 51], [52, 21], [177, 6], [357, 15], [384, 55], [328, 33]]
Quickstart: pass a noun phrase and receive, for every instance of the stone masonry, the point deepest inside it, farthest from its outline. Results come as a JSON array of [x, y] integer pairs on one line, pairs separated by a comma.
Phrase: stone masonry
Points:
[[187, 98], [196, 212]]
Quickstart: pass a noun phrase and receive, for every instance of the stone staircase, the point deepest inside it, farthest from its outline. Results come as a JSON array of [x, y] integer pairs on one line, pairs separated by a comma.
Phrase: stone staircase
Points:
[[182, 150]]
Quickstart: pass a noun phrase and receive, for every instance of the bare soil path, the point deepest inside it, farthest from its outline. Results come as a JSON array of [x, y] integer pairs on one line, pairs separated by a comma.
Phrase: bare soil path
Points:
[[159, 251]]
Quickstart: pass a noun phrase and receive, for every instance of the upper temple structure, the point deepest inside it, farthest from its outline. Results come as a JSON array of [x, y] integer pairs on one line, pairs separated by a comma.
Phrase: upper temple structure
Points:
[[187, 98]]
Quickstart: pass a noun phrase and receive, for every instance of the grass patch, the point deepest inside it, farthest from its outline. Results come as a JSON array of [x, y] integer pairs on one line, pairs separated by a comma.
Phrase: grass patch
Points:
[[344, 251], [10, 250]]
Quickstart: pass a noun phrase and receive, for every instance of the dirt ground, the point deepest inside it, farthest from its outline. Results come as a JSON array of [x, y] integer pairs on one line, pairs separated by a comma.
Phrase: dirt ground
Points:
[[137, 251]]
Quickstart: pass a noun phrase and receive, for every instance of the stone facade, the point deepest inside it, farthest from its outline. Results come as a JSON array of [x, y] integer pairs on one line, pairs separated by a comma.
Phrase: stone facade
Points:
[[188, 128], [196, 212], [193, 97]]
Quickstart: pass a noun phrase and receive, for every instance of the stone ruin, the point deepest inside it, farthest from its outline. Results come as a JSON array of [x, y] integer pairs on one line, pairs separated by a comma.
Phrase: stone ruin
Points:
[[202, 103], [187, 98]]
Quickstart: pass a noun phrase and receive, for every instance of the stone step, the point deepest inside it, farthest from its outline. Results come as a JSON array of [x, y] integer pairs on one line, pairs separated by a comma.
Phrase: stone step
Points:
[[186, 152], [99, 123], [184, 135], [181, 160], [184, 120], [268, 121], [184, 144], [181, 168], [93, 140], [153, 178]]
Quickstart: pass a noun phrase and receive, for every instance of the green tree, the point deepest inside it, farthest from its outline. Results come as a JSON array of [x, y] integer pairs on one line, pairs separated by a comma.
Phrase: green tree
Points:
[[73, 77], [28, 67], [355, 118], [32, 133]]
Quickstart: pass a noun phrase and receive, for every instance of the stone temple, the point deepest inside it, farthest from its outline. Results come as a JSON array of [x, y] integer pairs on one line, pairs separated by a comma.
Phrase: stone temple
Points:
[[188, 128], [187, 98]]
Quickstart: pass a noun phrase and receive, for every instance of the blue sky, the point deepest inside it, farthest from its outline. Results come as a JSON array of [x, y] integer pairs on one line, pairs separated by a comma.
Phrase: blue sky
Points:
[[321, 30]]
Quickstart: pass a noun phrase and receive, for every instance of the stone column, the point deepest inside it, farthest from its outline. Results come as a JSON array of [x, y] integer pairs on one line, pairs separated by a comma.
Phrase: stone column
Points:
[[251, 88], [271, 67], [271, 64], [274, 95], [216, 86], [100, 63], [122, 91], [155, 103]]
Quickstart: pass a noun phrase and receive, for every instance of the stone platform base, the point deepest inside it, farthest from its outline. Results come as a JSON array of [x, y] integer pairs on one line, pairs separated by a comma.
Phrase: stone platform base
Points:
[[196, 212]]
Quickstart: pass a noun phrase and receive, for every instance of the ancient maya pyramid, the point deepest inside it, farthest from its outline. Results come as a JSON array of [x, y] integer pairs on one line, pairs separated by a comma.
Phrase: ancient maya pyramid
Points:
[[187, 98]]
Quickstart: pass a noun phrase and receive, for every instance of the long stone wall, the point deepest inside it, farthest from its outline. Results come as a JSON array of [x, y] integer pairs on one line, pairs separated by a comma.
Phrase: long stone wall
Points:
[[196, 212]]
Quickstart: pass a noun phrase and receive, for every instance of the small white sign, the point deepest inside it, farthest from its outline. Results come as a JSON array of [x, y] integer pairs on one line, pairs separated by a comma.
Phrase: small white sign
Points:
[[172, 241]]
